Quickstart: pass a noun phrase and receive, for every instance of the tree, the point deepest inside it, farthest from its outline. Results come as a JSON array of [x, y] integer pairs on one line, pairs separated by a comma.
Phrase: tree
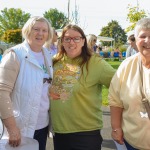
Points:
[[57, 19], [114, 30], [134, 15], [11, 19]]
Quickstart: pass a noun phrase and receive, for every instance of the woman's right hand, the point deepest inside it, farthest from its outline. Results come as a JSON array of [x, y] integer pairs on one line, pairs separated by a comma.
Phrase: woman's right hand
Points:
[[13, 131], [14, 136]]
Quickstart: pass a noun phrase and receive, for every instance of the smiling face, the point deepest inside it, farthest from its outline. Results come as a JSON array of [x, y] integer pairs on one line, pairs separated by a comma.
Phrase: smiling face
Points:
[[38, 36], [143, 42], [73, 43]]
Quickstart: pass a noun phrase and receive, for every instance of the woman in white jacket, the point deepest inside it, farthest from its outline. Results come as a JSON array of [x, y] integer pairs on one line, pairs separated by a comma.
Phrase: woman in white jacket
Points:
[[25, 75]]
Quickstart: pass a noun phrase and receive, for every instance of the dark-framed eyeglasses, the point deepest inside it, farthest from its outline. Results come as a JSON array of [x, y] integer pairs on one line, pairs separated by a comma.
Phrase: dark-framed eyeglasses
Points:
[[75, 39]]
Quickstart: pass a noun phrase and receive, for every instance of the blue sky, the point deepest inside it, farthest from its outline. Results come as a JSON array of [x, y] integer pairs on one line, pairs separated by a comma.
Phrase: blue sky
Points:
[[93, 14]]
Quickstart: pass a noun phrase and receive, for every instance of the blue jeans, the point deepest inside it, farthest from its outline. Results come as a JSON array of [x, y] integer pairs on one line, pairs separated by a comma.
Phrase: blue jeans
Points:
[[41, 137], [129, 147]]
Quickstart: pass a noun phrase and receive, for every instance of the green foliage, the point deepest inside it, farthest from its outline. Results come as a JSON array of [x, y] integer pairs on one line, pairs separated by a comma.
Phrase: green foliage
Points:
[[122, 48], [57, 19], [114, 64], [114, 30], [12, 36], [11, 19], [133, 16], [105, 96]]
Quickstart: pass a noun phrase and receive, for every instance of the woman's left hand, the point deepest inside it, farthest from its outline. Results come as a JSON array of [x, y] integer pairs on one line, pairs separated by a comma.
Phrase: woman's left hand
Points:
[[117, 135]]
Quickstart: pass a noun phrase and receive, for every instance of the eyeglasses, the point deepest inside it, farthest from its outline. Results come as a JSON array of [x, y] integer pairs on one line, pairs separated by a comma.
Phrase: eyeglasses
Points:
[[76, 39]]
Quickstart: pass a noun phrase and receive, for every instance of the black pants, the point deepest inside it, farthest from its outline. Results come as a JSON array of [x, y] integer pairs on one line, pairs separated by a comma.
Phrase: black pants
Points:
[[41, 137], [90, 140]]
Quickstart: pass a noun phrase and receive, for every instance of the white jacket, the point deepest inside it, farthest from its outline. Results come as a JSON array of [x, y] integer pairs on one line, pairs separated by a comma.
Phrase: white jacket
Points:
[[27, 92]]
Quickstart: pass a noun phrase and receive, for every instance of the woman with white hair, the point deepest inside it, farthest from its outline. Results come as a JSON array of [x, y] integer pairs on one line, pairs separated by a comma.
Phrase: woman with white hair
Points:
[[129, 94]]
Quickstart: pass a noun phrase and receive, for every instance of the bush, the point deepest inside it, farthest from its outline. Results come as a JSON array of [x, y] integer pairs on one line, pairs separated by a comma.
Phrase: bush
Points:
[[123, 48], [12, 36], [114, 64]]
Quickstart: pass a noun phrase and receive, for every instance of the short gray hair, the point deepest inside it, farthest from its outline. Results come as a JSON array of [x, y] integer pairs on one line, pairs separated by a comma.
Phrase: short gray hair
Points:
[[143, 23], [26, 30]]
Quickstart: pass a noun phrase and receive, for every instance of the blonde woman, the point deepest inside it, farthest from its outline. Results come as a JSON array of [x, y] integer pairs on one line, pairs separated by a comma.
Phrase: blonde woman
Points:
[[25, 73], [91, 42]]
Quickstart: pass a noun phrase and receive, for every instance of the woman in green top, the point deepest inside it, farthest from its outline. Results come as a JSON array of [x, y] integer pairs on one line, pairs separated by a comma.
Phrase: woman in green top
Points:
[[76, 93]]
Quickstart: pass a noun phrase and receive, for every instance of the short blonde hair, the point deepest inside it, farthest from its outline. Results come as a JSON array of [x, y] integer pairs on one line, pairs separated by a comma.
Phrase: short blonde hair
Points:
[[26, 30]]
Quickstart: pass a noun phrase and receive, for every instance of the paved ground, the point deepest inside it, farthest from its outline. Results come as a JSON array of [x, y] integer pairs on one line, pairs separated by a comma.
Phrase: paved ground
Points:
[[108, 143]]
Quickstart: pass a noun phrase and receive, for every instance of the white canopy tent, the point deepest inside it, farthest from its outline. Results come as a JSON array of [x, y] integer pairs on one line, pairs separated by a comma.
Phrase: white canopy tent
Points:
[[59, 31], [105, 39]]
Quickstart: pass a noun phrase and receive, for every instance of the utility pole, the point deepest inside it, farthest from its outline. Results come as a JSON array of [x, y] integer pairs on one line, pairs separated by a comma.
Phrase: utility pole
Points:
[[137, 5], [76, 14], [68, 11]]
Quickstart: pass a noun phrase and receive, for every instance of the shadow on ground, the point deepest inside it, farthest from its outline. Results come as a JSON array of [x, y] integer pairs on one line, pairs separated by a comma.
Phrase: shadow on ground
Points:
[[107, 113], [108, 144]]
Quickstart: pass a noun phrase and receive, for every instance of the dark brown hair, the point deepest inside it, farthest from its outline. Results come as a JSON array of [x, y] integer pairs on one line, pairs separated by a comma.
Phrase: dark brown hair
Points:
[[131, 38]]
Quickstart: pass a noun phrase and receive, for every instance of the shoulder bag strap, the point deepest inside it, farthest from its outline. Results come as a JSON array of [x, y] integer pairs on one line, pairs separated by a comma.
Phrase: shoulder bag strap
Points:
[[144, 99], [1, 128]]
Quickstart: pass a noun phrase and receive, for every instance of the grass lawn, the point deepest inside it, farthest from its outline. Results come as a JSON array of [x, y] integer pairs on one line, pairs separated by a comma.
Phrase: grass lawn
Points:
[[114, 64]]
